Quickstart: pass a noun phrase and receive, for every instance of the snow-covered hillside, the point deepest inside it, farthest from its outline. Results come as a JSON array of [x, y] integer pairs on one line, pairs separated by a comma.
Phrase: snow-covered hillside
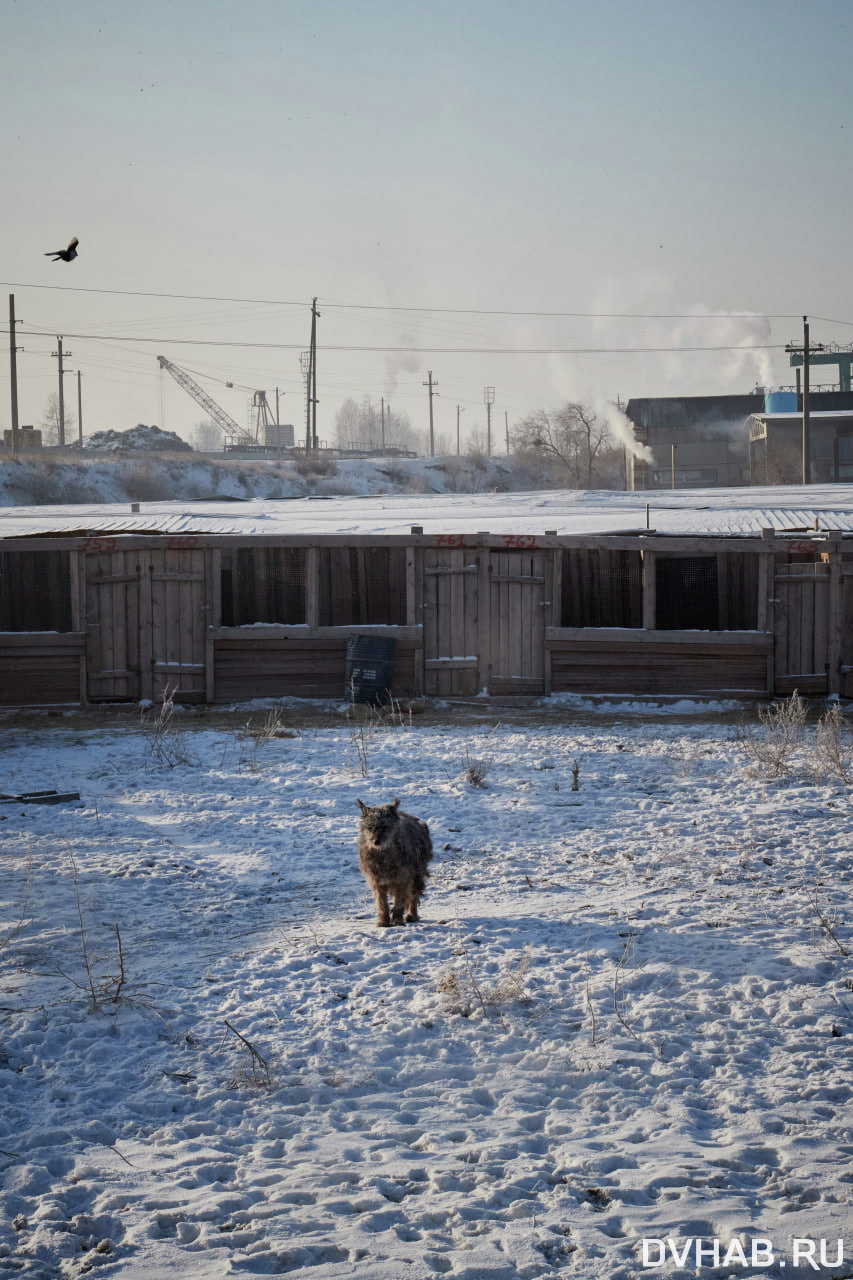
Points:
[[626, 1015]]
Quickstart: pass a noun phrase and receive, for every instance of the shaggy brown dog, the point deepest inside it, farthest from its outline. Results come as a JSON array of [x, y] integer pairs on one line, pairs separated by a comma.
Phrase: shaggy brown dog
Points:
[[394, 849]]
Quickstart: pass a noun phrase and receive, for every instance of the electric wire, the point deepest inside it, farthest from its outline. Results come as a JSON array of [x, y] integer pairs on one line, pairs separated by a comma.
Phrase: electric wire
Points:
[[471, 311], [408, 350]]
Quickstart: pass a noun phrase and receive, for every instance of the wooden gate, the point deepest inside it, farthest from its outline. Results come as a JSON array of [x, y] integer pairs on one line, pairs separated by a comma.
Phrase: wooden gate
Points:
[[146, 619], [451, 594], [802, 627], [520, 594]]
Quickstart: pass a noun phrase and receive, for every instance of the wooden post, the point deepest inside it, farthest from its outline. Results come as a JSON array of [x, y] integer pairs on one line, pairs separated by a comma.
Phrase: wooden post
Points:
[[649, 591], [213, 615], [411, 600], [312, 586], [484, 607], [836, 601], [144, 624], [767, 601], [77, 571]]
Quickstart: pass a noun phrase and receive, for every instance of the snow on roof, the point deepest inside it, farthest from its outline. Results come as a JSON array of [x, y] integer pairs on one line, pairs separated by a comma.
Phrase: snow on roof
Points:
[[821, 415], [740, 511]]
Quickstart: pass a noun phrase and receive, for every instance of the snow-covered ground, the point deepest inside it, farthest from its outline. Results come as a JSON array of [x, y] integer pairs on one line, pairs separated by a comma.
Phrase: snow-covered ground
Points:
[[621, 1017]]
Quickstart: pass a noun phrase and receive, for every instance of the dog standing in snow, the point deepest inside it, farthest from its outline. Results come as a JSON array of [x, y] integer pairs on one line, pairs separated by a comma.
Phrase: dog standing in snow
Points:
[[394, 850]]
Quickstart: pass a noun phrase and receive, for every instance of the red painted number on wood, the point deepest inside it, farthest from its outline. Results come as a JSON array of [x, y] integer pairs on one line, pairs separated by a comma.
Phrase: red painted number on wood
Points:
[[182, 544], [99, 544], [523, 541], [449, 540]]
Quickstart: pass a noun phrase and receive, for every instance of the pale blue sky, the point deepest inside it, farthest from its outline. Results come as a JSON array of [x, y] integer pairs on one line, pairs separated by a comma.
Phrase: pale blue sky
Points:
[[641, 156]]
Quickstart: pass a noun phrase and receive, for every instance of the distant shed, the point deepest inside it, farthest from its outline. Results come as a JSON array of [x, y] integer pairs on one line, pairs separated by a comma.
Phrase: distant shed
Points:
[[715, 599], [776, 447]]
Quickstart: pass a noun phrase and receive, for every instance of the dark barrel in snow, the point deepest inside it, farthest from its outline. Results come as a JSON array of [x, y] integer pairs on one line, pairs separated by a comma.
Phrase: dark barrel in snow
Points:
[[370, 667]]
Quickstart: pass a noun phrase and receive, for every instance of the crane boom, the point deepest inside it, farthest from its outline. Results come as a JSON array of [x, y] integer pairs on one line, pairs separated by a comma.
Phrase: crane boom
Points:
[[234, 433]]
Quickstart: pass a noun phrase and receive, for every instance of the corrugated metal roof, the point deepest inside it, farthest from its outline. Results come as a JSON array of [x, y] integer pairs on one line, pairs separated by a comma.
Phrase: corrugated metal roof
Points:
[[741, 511]]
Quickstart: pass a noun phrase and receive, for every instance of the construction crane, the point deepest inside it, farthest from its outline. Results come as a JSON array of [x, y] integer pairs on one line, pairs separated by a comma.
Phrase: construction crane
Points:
[[235, 435], [262, 414]]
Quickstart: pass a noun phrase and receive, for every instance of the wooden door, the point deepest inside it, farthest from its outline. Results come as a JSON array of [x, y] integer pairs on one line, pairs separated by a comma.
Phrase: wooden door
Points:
[[801, 625], [451, 595], [113, 594], [178, 624], [146, 622], [520, 595]]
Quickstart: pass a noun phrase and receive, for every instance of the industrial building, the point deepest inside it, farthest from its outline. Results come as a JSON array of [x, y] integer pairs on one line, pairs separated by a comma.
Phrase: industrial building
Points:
[[701, 442], [695, 442]]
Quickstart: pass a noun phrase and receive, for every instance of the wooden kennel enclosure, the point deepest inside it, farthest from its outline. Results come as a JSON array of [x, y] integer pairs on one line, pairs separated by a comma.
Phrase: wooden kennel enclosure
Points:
[[231, 617]]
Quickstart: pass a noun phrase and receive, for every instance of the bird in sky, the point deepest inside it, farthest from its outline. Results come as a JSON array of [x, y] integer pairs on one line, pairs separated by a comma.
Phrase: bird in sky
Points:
[[64, 255]]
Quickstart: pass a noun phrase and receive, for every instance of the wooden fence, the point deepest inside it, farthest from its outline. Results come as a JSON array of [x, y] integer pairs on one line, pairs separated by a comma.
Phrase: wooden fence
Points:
[[222, 619]]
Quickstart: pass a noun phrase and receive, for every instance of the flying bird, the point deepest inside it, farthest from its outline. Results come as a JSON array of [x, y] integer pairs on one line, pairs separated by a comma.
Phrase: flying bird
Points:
[[64, 255]]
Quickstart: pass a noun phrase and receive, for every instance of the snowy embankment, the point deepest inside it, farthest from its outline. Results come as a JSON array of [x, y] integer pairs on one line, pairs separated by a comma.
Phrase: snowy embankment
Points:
[[621, 1017], [158, 477]]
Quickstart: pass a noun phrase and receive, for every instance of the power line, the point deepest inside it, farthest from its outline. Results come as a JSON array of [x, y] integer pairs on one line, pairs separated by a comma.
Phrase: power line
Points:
[[459, 311], [488, 351], [181, 297], [825, 320]]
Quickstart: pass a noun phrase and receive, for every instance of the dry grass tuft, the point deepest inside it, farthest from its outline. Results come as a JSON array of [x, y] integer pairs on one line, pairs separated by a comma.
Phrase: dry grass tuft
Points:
[[465, 991]]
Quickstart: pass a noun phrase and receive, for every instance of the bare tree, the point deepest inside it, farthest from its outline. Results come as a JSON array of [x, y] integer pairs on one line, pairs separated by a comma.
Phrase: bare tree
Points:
[[574, 440], [359, 425], [476, 447], [50, 420], [207, 437]]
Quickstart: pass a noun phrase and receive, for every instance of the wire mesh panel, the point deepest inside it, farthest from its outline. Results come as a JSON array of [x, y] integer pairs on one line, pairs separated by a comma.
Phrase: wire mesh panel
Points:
[[362, 585], [687, 593], [264, 584], [35, 591], [602, 588]]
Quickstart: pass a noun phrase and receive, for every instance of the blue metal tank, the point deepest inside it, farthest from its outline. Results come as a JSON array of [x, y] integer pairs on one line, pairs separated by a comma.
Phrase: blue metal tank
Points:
[[780, 402]]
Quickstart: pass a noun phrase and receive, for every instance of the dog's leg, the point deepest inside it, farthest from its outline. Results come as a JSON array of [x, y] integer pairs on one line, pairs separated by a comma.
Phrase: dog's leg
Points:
[[381, 896], [416, 889]]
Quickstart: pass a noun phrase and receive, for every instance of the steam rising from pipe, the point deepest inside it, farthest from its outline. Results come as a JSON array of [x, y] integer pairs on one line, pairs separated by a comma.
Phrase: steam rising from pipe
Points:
[[622, 430]]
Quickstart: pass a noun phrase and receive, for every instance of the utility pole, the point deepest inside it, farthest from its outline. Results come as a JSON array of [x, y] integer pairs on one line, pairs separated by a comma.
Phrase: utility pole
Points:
[[13, 368], [806, 350], [276, 412], [432, 385], [311, 424], [459, 410], [488, 401], [506, 423], [305, 365], [79, 408], [314, 317], [58, 354], [383, 423]]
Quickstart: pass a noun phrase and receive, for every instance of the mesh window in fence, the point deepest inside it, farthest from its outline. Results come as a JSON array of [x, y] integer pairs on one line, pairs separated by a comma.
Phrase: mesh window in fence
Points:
[[362, 585], [264, 584], [602, 588], [687, 593], [35, 591]]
